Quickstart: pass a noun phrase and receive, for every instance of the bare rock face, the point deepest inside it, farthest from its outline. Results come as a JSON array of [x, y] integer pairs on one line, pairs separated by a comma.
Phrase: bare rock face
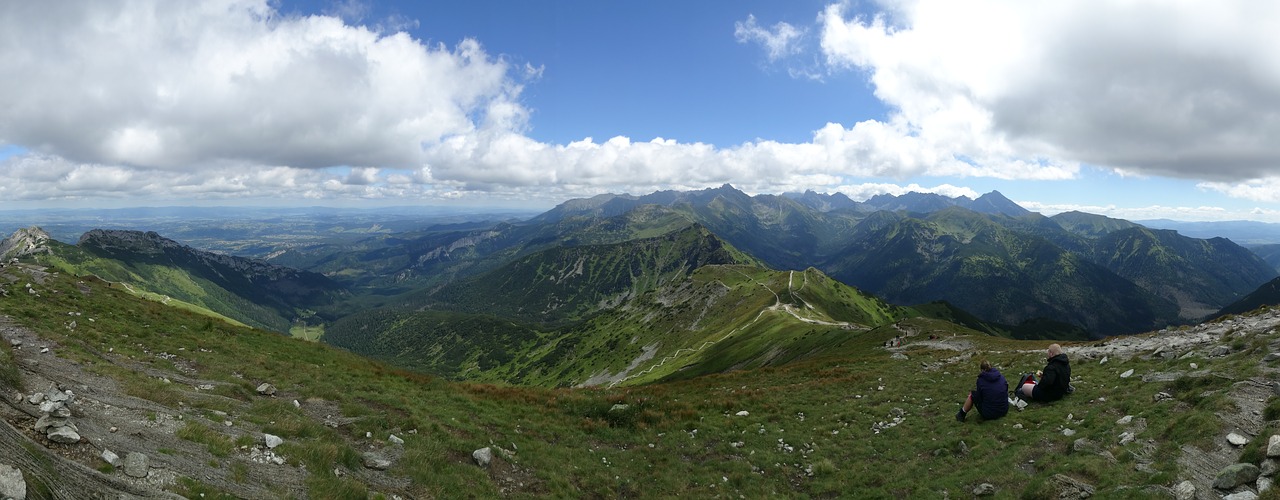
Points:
[[24, 242]]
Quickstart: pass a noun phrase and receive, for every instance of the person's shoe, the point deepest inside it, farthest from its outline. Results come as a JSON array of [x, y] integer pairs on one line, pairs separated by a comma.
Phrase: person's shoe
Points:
[[960, 416]]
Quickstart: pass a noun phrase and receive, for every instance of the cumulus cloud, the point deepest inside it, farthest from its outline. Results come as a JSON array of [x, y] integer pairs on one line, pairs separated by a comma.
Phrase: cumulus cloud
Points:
[[1180, 89], [172, 85]]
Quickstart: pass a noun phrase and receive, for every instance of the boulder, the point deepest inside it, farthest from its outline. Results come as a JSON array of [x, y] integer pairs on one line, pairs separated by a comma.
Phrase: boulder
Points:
[[1271, 357], [12, 485], [267, 389], [1069, 487], [376, 462], [64, 435], [1273, 446], [483, 456], [984, 489], [1236, 475], [1185, 490], [136, 464], [272, 441], [1084, 445]]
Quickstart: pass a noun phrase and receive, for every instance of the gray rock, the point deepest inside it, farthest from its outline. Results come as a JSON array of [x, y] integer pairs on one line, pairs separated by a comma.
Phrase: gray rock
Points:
[[1236, 475], [395, 439], [1237, 440], [1271, 357], [48, 422], [1126, 438], [110, 457], [376, 462], [1264, 483], [272, 441], [61, 412], [36, 398], [136, 464], [1273, 446], [619, 407], [1185, 490], [984, 489], [64, 435], [1241, 495], [1275, 388], [1068, 432], [1127, 373], [12, 485], [1162, 396], [1270, 467], [1221, 350], [483, 456], [59, 397], [267, 389], [1124, 420], [1069, 487], [1084, 445]]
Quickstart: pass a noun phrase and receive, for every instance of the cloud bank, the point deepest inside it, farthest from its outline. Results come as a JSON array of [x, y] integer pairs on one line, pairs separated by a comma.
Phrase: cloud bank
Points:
[[225, 100]]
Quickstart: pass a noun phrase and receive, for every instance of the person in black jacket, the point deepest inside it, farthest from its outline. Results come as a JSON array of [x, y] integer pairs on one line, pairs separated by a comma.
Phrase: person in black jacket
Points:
[[989, 396], [1054, 379]]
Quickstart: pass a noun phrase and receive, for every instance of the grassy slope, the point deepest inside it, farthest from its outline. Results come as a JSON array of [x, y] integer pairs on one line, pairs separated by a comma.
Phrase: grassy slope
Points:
[[167, 284], [809, 431]]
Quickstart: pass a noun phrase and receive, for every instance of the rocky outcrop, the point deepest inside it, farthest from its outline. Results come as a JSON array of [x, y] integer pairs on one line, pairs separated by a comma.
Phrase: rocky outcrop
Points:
[[24, 242]]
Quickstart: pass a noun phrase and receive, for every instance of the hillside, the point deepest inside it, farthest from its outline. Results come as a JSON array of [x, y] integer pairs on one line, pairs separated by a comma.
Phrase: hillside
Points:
[[716, 318], [246, 290], [1150, 415]]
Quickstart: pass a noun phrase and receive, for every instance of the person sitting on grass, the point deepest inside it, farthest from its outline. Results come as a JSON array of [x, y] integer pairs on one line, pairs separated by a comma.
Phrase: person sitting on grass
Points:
[[988, 396], [1055, 379]]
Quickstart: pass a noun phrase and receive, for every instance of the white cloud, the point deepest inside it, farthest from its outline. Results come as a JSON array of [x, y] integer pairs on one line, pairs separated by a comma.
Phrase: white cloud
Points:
[[176, 85], [1266, 189], [778, 42], [1184, 89]]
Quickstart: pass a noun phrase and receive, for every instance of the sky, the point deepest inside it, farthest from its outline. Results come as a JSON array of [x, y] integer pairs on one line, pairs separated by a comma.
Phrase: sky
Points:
[[1137, 109]]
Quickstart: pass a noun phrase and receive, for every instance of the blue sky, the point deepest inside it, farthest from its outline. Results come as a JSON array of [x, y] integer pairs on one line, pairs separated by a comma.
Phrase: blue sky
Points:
[[1141, 109]]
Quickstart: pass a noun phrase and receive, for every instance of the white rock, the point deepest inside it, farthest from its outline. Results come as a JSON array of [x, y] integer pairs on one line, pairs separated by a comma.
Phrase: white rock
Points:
[[1124, 420], [395, 439], [1264, 483], [1237, 440], [296, 404], [272, 440], [743, 413], [482, 456], [1068, 432], [110, 457], [1273, 446], [1194, 366], [12, 485], [36, 398], [1185, 490], [1243, 495], [266, 389], [1127, 373], [1103, 361]]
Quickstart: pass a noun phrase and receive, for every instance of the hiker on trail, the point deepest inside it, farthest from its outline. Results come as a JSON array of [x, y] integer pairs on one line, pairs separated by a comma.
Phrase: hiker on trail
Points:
[[1054, 381], [988, 396]]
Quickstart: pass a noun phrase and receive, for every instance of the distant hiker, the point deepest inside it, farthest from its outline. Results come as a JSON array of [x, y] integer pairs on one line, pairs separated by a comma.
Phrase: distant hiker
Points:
[[1055, 379], [988, 396]]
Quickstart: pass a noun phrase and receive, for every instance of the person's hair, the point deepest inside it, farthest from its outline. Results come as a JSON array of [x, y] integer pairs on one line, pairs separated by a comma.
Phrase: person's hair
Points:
[[985, 365], [1055, 349]]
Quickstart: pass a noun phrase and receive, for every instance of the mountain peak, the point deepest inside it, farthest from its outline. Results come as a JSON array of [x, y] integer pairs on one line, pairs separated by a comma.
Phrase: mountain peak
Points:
[[996, 203], [24, 242]]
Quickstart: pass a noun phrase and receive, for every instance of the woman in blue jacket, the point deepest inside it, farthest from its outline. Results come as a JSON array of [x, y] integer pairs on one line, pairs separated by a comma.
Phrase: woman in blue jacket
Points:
[[990, 396]]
